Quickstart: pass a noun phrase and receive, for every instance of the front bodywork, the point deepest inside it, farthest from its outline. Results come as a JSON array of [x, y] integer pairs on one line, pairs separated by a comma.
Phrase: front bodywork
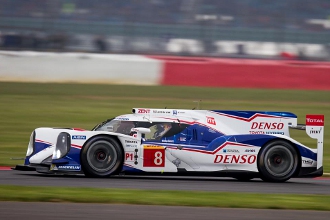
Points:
[[202, 142]]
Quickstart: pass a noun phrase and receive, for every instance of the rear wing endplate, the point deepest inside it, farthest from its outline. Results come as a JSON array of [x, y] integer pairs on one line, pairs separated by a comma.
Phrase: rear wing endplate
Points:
[[315, 130]]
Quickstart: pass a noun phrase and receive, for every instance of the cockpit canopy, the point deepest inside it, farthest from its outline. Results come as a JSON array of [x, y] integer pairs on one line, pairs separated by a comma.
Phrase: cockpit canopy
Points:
[[163, 131], [158, 129]]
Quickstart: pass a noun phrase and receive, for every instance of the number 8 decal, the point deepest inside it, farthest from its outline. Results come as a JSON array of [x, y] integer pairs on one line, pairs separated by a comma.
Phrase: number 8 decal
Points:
[[153, 156], [158, 158]]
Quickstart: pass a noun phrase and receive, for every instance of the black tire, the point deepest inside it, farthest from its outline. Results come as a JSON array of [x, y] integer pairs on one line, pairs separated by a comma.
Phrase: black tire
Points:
[[101, 157], [277, 161]]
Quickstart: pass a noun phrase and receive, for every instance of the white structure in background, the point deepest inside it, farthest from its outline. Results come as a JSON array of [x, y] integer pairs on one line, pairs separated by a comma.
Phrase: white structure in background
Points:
[[179, 46], [79, 68], [253, 48], [322, 22]]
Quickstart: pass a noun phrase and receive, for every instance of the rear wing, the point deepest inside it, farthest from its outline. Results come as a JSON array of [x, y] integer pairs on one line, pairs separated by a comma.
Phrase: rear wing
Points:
[[315, 129]]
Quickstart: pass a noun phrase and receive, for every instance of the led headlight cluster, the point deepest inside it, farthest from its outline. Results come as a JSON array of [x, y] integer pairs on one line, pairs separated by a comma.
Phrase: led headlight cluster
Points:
[[62, 145], [30, 148]]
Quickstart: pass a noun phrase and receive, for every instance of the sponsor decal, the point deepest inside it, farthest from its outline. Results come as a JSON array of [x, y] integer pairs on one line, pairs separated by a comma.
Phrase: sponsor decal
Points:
[[131, 142], [210, 120], [69, 167], [310, 162], [250, 150], [257, 132], [131, 145], [168, 141], [176, 112], [143, 111], [230, 151], [315, 132], [182, 139], [235, 159], [160, 112], [267, 125], [266, 132], [153, 146], [274, 132], [122, 119], [79, 137], [315, 120]]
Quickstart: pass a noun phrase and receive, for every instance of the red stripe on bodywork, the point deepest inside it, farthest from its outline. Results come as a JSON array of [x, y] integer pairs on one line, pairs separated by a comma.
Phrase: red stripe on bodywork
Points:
[[44, 142], [216, 150], [78, 129], [76, 146], [251, 118]]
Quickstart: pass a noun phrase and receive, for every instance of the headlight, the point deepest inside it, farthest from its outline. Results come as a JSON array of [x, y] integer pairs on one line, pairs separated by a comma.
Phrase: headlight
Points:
[[63, 144], [31, 144]]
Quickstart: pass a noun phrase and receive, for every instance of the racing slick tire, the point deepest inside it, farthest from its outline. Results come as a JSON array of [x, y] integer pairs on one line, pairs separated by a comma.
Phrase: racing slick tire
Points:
[[101, 157], [277, 161]]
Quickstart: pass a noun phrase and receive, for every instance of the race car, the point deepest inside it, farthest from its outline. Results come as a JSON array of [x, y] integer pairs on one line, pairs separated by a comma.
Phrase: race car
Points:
[[239, 144]]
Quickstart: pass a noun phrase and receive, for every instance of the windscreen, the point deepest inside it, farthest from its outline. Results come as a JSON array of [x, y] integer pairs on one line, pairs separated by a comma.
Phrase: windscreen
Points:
[[117, 126]]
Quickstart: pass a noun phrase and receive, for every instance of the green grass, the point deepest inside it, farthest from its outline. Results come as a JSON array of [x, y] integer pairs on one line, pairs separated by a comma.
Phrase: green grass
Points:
[[159, 197], [26, 106]]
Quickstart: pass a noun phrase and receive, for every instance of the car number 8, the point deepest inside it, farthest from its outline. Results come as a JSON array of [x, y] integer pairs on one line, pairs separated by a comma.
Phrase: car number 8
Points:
[[154, 157], [158, 158]]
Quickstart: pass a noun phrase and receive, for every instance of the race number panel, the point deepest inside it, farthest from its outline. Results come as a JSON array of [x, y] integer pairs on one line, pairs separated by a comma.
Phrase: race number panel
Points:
[[154, 156]]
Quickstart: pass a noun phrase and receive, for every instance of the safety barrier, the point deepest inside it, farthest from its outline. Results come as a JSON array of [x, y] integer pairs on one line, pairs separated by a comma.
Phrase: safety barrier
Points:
[[163, 70], [245, 73]]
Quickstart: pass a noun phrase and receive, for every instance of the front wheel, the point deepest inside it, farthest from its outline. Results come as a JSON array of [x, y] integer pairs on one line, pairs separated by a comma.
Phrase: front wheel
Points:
[[277, 161], [101, 157]]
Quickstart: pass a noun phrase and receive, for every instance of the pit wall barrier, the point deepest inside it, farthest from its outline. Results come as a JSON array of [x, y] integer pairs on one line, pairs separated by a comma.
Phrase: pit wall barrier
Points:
[[245, 73]]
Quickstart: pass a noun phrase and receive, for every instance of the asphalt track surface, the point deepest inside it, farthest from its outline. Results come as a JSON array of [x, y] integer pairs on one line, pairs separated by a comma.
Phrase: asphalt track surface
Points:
[[19, 210], [56, 211], [293, 186]]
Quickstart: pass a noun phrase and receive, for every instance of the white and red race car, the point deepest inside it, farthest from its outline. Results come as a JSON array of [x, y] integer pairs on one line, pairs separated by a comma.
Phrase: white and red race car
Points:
[[239, 144]]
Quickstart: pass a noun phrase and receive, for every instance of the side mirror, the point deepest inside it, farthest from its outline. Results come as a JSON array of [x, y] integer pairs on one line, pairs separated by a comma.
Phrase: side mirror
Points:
[[141, 130]]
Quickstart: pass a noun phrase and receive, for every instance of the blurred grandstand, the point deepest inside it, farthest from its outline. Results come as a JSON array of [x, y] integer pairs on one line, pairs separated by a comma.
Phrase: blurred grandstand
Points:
[[292, 29]]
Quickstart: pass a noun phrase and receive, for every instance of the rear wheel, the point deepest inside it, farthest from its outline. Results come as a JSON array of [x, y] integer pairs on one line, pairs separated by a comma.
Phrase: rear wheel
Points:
[[101, 157], [277, 161]]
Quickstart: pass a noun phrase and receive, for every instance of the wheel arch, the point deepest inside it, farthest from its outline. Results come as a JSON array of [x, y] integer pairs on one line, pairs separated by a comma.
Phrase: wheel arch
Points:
[[103, 135]]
